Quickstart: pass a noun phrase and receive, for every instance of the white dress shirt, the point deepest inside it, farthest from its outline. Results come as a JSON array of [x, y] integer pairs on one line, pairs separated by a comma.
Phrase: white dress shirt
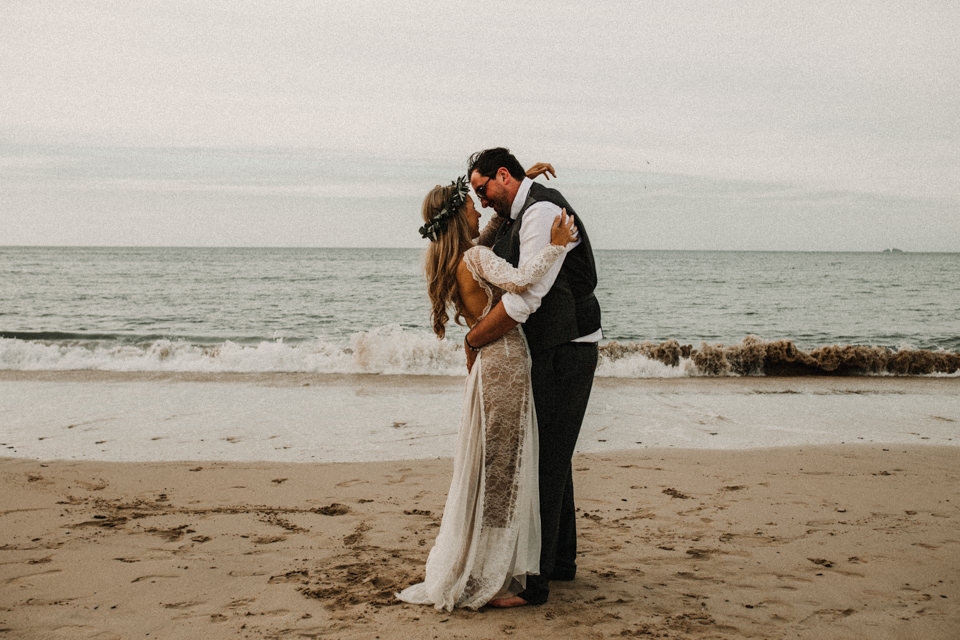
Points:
[[534, 235]]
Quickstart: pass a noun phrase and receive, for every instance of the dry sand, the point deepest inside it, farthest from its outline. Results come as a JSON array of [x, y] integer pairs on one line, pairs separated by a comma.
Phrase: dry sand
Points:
[[840, 542]]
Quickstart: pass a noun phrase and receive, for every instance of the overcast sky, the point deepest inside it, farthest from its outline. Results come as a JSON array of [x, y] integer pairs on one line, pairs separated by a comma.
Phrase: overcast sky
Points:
[[679, 125]]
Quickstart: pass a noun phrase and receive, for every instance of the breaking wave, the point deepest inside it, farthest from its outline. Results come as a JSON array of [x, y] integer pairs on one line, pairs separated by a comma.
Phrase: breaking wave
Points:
[[392, 350]]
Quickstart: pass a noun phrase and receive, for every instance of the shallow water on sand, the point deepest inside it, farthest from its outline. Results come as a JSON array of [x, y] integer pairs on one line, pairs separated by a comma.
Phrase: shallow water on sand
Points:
[[303, 418]]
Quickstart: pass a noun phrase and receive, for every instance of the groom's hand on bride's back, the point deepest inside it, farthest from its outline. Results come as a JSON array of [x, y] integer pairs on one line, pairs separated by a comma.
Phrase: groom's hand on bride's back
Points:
[[471, 354]]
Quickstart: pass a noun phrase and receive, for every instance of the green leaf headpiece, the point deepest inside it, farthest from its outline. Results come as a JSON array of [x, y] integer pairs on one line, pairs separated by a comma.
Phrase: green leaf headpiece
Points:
[[438, 223]]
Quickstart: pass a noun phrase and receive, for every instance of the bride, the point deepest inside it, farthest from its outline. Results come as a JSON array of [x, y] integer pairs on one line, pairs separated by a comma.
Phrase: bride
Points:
[[489, 538]]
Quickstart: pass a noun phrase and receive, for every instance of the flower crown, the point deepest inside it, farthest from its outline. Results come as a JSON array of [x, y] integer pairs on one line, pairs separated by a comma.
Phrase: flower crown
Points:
[[438, 222]]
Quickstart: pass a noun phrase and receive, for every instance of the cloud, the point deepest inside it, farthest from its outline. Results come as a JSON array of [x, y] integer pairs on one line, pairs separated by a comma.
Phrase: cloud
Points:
[[858, 97]]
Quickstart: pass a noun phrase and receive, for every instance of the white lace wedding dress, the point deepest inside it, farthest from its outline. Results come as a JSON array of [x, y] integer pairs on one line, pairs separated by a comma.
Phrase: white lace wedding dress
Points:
[[489, 538]]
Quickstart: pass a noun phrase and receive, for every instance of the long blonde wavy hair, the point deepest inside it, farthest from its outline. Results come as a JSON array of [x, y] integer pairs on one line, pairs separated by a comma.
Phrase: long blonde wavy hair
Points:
[[443, 257]]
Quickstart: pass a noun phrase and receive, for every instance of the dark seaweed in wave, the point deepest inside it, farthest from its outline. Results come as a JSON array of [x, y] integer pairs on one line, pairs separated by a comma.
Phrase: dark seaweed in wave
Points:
[[757, 357]]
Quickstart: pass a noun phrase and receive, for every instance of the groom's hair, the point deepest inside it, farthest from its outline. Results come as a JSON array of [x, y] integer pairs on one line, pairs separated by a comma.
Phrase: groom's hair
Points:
[[488, 161]]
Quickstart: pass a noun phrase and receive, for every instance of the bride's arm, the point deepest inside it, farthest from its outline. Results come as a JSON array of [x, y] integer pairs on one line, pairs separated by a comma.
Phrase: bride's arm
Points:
[[504, 275]]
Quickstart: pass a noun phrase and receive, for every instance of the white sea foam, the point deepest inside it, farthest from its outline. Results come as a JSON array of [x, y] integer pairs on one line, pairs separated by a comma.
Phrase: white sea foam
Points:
[[387, 350], [639, 366]]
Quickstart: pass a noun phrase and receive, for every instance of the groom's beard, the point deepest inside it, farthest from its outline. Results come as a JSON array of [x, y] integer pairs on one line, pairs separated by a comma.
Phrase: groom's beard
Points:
[[502, 208]]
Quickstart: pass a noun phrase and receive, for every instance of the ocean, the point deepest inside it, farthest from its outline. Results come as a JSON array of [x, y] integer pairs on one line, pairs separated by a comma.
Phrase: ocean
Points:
[[665, 314], [325, 355]]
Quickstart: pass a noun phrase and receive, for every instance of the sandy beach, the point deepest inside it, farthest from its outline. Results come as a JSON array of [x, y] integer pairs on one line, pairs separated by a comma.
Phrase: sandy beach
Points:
[[847, 541]]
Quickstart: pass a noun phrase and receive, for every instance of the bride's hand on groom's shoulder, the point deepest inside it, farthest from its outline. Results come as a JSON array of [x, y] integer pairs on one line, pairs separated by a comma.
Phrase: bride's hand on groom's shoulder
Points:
[[541, 169], [563, 231]]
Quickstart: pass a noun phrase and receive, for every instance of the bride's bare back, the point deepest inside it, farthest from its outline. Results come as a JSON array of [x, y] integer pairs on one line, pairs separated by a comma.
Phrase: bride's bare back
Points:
[[472, 295]]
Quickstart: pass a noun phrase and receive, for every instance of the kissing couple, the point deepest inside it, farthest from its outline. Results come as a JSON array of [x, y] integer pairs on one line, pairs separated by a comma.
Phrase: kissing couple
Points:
[[525, 288]]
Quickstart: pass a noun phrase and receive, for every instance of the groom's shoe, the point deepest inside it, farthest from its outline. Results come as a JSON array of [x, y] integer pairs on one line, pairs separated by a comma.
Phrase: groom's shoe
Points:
[[533, 598]]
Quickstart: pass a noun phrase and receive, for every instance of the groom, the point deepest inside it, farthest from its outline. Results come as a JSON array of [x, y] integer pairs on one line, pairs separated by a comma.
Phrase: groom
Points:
[[561, 321]]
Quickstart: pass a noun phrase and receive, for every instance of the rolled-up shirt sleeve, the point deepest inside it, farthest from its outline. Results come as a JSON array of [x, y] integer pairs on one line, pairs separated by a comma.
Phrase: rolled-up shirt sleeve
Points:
[[534, 235]]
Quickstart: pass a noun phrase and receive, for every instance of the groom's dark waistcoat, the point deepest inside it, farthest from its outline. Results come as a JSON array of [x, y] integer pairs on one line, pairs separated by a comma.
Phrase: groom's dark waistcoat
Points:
[[570, 309]]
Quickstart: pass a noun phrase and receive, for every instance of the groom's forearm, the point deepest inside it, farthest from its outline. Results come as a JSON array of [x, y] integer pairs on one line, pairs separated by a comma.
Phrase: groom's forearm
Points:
[[494, 325]]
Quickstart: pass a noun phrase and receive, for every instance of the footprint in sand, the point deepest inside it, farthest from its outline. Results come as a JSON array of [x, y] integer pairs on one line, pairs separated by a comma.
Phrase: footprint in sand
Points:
[[105, 522], [297, 575], [97, 485], [171, 535], [354, 538], [151, 578], [334, 509], [32, 575], [821, 562], [180, 605], [241, 602]]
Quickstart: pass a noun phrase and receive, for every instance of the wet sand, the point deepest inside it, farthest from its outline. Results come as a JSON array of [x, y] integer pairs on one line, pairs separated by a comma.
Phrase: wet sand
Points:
[[846, 541], [279, 417]]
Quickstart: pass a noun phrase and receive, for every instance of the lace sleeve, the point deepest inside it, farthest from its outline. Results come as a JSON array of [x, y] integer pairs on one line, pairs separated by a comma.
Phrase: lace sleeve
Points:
[[484, 263]]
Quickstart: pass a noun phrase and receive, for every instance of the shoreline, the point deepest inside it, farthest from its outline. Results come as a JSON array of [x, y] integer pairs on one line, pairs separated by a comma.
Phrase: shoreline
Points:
[[846, 541], [366, 417], [295, 379]]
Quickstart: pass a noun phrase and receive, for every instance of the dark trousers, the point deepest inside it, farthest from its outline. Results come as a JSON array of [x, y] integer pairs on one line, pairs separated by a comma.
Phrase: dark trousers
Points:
[[562, 378]]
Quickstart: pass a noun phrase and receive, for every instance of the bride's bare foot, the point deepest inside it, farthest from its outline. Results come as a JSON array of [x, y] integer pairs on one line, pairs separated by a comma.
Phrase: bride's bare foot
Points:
[[509, 602]]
